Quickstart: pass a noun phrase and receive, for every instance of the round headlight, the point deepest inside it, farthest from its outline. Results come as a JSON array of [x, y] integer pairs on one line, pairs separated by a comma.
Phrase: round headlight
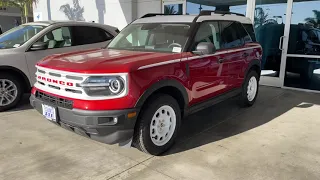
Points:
[[115, 86]]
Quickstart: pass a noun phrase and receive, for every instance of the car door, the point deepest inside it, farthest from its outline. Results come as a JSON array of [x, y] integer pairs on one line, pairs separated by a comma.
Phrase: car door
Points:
[[207, 73], [67, 39], [232, 41]]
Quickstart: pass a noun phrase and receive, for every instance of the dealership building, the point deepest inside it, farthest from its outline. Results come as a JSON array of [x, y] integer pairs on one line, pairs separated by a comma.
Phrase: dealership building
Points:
[[288, 30]]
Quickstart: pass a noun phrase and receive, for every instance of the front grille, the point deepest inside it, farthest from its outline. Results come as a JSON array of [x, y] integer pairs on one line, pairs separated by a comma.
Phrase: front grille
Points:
[[56, 101]]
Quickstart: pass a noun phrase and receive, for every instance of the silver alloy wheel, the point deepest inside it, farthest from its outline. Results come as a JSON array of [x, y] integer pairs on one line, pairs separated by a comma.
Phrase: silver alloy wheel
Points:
[[8, 92], [163, 125], [252, 88]]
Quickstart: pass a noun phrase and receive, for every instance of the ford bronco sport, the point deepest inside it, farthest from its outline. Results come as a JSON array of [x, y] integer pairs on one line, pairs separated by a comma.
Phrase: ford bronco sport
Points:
[[158, 70]]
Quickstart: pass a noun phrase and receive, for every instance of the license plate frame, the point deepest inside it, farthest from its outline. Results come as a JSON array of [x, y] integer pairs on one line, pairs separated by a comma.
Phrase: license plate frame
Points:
[[49, 112]]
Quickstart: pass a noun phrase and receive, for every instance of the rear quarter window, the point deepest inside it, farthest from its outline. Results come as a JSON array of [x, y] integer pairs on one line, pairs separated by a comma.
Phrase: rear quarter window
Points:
[[250, 30]]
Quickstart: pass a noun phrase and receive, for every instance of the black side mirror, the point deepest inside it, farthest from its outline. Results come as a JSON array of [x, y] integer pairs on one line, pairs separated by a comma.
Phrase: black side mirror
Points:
[[205, 48], [39, 46]]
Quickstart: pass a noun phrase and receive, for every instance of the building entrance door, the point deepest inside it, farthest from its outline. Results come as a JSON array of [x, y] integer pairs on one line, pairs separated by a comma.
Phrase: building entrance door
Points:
[[272, 33]]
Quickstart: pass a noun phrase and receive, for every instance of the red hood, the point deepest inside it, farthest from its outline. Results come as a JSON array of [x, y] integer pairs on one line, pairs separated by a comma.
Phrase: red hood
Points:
[[104, 60]]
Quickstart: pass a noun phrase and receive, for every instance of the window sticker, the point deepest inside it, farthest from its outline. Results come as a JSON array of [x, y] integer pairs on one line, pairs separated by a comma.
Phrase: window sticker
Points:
[[176, 49], [16, 45]]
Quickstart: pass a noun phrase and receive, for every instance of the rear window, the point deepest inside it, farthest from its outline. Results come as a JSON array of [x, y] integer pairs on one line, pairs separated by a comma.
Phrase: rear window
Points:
[[250, 30]]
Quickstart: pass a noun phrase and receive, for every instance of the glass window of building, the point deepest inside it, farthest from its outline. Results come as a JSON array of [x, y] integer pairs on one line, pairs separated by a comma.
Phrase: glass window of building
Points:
[[195, 6]]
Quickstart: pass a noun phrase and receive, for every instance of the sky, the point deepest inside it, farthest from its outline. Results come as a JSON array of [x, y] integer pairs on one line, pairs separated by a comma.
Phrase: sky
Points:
[[301, 10]]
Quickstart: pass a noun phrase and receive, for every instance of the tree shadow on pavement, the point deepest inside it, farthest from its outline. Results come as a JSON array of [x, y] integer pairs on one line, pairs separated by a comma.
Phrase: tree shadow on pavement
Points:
[[228, 119]]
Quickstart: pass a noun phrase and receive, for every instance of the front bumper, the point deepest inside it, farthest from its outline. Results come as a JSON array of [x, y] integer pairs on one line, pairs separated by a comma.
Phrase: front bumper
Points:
[[94, 124]]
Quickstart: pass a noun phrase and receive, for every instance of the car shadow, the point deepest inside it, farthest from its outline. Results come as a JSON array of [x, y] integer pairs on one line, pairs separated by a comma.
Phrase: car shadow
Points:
[[228, 119], [23, 105]]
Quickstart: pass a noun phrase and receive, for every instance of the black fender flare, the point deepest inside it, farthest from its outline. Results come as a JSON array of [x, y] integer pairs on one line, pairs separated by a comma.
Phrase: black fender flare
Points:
[[160, 84], [254, 62]]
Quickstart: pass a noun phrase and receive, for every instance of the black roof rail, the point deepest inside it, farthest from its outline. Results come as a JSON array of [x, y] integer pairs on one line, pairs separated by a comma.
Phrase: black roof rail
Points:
[[156, 14], [208, 12]]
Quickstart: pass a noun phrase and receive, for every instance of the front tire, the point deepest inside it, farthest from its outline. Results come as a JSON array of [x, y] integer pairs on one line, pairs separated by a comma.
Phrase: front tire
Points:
[[158, 125], [250, 89], [10, 91]]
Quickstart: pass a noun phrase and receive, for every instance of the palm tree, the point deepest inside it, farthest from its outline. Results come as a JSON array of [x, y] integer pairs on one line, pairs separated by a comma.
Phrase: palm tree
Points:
[[314, 20], [260, 17], [23, 5], [169, 10], [73, 13]]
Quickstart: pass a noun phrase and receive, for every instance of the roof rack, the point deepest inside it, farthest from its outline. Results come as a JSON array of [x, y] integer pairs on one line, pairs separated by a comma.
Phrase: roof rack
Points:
[[208, 12], [157, 14]]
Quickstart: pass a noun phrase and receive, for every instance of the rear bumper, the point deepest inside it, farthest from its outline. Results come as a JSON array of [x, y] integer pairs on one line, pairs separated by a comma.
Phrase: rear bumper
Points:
[[97, 125]]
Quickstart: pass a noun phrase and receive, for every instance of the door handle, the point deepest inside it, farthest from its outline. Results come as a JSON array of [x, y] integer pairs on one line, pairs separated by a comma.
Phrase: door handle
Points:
[[280, 43], [245, 55], [221, 60]]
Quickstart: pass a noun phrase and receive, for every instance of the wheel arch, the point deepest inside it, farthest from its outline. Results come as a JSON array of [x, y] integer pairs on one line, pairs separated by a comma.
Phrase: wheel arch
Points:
[[19, 74], [254, 65], [167, 86]]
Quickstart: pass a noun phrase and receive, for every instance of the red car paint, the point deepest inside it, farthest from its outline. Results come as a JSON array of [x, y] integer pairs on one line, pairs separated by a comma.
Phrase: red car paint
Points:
[[202, 77]]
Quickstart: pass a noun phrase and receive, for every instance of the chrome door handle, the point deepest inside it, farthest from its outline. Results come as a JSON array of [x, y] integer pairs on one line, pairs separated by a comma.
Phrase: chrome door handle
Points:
[[281, 42]]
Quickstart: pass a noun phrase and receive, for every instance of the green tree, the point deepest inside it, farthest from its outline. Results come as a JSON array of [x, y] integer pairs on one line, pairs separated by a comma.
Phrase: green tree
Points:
[[169, 10], [23, 5], [314, 20]]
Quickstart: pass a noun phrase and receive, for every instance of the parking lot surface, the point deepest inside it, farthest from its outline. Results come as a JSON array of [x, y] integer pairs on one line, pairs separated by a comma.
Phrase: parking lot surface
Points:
[[277, 138]]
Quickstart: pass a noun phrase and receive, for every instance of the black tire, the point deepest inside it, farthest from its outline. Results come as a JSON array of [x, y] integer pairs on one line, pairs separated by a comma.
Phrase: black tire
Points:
[[142, 139], [244, 101], [19, 86]]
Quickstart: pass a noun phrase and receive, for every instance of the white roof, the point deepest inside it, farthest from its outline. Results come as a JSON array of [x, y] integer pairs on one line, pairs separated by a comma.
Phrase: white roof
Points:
[[190, 18], [226, 17], [167, 18]]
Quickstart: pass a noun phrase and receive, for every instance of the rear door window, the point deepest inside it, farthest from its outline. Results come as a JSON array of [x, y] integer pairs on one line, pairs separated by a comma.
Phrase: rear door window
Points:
[[89, 35], [229, 35]]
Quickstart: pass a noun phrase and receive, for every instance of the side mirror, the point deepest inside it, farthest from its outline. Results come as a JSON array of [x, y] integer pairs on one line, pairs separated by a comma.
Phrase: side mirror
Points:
[[205, 48], [39, 46]]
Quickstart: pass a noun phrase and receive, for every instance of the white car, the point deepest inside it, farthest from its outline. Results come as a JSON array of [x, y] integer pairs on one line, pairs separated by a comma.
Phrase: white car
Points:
[[23, 46]]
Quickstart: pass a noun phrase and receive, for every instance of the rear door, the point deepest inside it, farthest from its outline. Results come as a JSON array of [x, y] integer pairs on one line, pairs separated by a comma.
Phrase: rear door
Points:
[[207, 75], [67, 39], [233, 42]]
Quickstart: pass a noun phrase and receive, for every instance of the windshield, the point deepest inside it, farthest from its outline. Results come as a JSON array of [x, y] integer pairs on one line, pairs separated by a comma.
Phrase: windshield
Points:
[[155, 37], [18, 36]]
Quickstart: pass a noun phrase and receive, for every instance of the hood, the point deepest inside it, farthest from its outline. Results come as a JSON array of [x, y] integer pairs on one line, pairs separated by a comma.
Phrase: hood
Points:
[[104, 60]]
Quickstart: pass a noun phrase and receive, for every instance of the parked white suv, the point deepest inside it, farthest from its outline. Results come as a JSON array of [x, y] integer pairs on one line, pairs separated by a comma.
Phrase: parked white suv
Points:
[[23, 46]]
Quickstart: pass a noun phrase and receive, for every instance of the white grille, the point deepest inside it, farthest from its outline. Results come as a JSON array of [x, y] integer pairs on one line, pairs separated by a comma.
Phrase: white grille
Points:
[[66, 84]]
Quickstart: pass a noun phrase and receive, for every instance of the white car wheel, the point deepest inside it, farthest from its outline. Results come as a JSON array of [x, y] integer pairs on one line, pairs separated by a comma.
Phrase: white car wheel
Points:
[[162, 125]]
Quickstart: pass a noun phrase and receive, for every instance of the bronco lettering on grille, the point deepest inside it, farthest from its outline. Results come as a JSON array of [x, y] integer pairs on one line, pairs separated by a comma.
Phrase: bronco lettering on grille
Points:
[[55, 81]]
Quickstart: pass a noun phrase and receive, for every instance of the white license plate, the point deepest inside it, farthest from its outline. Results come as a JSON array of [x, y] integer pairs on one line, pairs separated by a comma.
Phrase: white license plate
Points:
[[49, 112]]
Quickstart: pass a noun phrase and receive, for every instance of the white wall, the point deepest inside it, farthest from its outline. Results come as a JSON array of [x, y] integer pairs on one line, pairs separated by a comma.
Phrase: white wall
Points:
[[112, 12], [148, 6]]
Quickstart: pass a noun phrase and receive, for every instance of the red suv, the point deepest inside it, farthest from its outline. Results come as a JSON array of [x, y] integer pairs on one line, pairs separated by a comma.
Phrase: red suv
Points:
[[159, 69]]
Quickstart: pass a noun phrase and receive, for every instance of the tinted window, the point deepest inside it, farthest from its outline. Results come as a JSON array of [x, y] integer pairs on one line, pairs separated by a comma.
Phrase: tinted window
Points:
[[229, 36], [208, 32], [250, 30], [88, 35]]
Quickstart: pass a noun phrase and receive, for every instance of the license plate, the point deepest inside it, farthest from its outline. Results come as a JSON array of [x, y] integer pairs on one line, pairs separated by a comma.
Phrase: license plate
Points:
[[49, 112]]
